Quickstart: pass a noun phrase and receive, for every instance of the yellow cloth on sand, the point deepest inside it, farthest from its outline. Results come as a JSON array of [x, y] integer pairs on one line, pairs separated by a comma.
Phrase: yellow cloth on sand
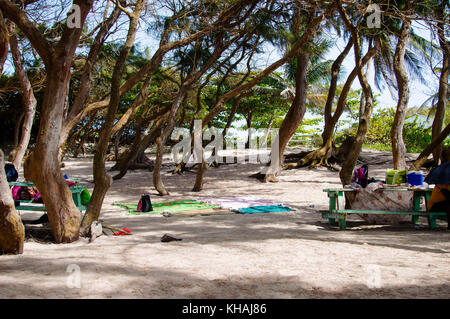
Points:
[[436, 195]]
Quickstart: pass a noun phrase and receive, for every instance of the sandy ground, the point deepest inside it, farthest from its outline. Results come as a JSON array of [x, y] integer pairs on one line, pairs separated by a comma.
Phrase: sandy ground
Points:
[[278, 255]]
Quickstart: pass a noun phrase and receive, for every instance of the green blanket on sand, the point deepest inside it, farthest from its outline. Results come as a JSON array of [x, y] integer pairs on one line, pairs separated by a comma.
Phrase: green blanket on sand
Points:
[[171, 207], [263, 209]]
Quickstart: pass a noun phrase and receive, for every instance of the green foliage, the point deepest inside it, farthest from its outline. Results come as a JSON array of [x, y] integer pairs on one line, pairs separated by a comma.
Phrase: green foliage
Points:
[[379, 131], [416, 134]]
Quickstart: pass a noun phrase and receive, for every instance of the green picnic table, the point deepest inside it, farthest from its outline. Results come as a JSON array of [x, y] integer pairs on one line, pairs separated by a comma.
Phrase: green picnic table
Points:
[[337, 214], [29, 205]]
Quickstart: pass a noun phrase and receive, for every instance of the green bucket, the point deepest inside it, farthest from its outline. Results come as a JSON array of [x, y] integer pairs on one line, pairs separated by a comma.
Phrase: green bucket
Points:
[[394, 176]]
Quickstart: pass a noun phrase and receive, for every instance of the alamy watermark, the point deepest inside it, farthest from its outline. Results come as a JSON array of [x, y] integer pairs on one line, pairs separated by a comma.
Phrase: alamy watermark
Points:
[[190, 147], [374, 19], [373, 278], [74, 279], [74, 17]]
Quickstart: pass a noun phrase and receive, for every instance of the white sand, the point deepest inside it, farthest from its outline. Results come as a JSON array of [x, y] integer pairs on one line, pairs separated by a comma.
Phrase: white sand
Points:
[[279, 255]]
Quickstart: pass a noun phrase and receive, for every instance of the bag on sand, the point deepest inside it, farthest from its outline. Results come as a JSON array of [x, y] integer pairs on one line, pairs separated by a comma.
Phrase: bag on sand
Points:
[[361, 176], [26, 193], [85, 197], [11, 172], [145, 204]]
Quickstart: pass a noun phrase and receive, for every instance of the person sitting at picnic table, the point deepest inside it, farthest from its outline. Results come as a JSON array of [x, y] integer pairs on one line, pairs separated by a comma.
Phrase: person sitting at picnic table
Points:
[[440, 200], [440, 197]]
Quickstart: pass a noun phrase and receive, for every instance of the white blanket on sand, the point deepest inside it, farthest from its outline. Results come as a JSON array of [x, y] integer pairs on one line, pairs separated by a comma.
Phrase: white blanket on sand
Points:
[[238, 202]]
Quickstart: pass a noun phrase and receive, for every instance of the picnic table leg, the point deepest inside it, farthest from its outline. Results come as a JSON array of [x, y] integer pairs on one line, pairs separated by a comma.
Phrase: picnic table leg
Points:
[[342, 223], [77, 199], [415, 219], [332, 206], [432, 221]]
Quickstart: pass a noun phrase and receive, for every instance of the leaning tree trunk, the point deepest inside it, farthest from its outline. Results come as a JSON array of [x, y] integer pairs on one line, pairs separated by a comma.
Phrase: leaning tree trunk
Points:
[[321, 155], [86, 75], [398, 145], [161, 141], [437, 141], [42, 165], [242, 87], [140, 144], [349, 164], [102, 179], [293, 118], [28, 100], [3, 42], [443, 86], [249, 129], [81, 146], [157, 180], [198, 185], [12, 232]]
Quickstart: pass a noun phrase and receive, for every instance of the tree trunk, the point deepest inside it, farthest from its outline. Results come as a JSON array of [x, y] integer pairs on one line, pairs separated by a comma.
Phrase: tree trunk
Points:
[[161, 141], [349, 164], [140, 144], [293, 118], [219, 47], [81, 146], [157, 180], [102, 179], [249, 128], [443, 84], [398, 145], [28, 100], [422, 158], [198, 185], [335, 70], [321, 155], [137, 103], [17, 128], [42, 165], [231, 116], [85, 81], [243, 87], [3, 42], [298, 108], [225, 16], [85, 130], [12, 232]]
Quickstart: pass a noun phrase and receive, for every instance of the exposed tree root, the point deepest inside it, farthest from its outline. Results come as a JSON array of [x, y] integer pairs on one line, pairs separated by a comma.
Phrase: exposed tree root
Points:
[[142, 162], [313, 159], [182, 167], [265, 178]]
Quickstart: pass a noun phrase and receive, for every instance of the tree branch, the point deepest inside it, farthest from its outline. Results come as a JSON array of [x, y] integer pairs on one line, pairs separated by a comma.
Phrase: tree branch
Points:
[[12, 12]]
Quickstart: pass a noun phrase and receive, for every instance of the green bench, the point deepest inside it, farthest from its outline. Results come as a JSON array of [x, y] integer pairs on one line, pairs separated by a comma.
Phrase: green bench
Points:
[[337, 214], [29, 205]]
